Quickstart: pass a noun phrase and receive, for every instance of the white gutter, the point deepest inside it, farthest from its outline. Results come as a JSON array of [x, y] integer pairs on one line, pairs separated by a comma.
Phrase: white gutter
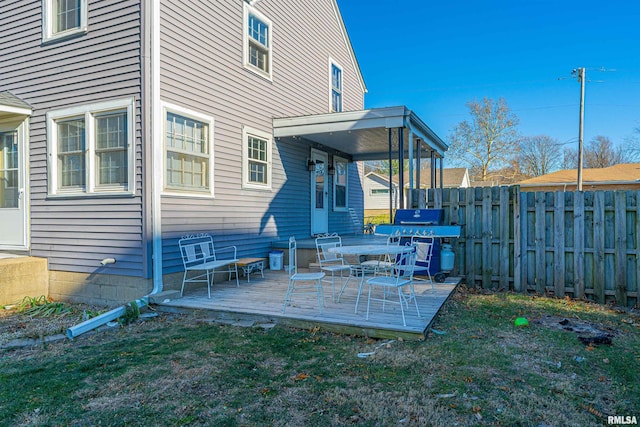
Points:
[[156, 186], [156, 138]]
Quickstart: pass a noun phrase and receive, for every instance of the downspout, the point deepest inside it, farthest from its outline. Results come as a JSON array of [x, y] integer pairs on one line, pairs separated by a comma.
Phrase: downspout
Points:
[[156, 184]]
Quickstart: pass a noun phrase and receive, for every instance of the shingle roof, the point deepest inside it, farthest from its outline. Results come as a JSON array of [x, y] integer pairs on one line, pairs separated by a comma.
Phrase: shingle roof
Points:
[[10, 100], [625, 172], [451, 177]]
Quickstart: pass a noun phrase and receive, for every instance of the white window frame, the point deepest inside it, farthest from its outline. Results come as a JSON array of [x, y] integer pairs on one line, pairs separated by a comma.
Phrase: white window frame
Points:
[[337, 159], [89, 113], [248, 10], [332, 64], [246, 133], [48, 25], [192, 114]]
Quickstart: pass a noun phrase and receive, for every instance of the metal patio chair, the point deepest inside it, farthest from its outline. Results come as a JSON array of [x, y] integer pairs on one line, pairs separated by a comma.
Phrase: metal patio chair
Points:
[[401, 276], [294, 277], [384, 263], [424, 250], [200, 256], [331, 262]]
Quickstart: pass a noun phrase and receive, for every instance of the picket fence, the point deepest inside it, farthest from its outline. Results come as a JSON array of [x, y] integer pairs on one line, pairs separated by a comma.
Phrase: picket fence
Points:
[[579, 244]]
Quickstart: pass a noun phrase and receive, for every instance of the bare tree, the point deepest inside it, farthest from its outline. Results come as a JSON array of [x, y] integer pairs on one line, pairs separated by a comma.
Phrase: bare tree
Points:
[[632, 149], [488, 140], [539, 155], [598, 153], [569, 158]]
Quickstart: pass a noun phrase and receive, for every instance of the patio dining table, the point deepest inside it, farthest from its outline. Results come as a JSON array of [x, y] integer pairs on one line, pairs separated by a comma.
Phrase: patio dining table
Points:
[[369, 250]]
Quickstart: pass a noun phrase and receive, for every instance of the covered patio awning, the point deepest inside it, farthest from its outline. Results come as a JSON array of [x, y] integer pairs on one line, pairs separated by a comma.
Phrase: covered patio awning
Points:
[[376, 134]]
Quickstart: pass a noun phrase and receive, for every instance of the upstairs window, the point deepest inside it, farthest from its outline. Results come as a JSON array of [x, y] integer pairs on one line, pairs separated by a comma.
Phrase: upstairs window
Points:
[[91, 149], [63, 18], [336, 88], [256, 159], [257, 42]]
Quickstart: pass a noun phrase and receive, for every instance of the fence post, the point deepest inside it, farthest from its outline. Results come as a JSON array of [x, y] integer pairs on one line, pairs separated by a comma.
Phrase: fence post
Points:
[[517, 241], [558, 244], [487, 234], [470, 237], [598, 246], [504, 238], [578, 244], [621, 248], [540, 244]]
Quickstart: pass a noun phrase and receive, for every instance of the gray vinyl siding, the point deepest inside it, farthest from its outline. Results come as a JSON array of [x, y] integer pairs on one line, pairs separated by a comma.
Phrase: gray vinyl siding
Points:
[[103, 64], [201, 69]]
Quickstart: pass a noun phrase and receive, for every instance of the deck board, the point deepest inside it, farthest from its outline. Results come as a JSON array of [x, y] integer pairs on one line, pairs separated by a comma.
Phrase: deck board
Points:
[[262, 300]]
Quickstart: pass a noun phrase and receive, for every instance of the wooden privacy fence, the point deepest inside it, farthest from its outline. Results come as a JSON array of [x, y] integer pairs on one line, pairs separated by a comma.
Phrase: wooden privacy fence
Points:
[[581, 244]]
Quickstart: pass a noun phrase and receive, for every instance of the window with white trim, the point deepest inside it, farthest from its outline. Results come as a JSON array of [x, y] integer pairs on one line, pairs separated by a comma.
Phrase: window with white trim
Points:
[[340, 183], [257, 42], [188, 152], [91, 149], [336, 88], [63, 18], [256, 159]]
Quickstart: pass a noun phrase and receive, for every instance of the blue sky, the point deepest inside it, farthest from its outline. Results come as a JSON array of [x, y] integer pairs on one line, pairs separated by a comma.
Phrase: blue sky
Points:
[[435, 56]]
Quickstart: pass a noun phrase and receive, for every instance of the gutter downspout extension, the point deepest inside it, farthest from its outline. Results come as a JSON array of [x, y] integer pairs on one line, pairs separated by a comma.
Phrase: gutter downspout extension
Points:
[[156, 159]]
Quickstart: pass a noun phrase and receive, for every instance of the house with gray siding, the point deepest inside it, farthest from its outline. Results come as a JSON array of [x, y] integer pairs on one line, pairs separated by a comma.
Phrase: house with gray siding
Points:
[[127, 124]]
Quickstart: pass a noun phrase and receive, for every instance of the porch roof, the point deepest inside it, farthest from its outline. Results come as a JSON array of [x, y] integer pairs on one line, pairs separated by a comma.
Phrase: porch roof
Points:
[[11, 105], [363, 134]]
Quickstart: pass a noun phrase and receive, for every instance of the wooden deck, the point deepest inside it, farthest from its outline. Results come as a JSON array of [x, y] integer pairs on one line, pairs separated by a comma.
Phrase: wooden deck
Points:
[[262, 300]]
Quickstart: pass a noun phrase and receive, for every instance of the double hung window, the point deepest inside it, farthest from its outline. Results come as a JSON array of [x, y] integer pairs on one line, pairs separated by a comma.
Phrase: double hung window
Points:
[[257, 42], [188, 152], [90, 149], [62, 18], [256, 159]]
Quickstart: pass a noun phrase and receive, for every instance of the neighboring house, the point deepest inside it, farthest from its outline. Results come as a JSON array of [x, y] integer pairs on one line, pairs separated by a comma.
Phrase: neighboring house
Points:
[[127, 124], [376, 192], [376, 186], [624, 176]]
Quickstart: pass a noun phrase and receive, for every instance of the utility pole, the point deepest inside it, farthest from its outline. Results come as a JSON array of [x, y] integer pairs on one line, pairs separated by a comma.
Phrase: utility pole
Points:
[[581, 78]]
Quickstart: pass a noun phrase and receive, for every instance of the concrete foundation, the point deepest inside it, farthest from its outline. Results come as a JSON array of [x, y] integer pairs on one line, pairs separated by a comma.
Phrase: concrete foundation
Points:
[[21, 277]]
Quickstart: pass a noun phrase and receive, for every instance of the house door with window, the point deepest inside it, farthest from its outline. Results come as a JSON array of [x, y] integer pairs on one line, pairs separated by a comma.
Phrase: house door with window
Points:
[[319, 193], [13, 218]]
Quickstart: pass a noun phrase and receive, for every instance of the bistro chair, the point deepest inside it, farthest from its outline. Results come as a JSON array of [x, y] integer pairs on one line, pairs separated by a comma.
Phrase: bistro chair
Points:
[[331, 262], [424, 251], [384, 263], [401, 276], [295, 277], [200, 256]]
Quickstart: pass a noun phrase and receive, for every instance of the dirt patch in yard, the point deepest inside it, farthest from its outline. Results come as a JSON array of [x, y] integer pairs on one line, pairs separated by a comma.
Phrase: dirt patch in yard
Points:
[[589, 333]]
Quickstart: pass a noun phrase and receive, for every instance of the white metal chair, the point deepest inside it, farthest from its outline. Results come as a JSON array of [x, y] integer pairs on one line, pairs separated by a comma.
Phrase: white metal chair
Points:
[[331, 262], [424, 250], [401, 276], [384, 263], [199, 255], [295, 277]]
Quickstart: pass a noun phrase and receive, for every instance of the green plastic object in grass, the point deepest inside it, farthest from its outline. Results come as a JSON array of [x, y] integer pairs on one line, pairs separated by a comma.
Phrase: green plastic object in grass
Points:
[[521, 321]]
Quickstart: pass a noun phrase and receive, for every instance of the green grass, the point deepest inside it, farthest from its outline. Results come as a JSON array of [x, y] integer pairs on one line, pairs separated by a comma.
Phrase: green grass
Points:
[[182, 370]]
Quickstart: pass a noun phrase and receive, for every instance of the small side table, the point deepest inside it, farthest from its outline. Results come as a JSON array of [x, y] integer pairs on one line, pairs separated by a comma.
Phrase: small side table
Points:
[[251, 265]]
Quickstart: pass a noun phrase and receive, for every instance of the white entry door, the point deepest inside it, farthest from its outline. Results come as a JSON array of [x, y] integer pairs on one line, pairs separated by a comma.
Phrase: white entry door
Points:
[[319, 193], [13, 218]]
